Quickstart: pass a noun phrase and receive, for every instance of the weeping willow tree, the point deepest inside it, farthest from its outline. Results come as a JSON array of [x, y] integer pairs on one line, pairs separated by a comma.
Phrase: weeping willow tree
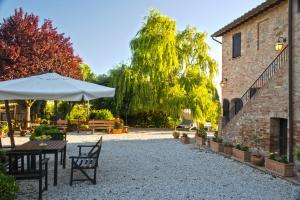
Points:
[[170, 71]]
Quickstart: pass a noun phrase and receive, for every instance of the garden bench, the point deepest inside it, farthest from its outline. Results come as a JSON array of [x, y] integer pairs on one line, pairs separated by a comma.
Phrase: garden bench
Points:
[[27, 165], [86, 161], [107, 125]]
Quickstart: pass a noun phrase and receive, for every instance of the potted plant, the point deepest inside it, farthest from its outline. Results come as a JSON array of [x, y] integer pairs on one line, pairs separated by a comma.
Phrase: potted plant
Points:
[[228, 148], [241, 152], [3, 129], [200, 136], [118, 127], [256, 158], [216, 144], [297, 163], [176, 134], [185, 138], [279, 165]]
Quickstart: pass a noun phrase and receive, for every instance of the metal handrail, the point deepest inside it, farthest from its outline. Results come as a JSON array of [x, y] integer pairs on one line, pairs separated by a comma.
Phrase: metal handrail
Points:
[[267, 74]]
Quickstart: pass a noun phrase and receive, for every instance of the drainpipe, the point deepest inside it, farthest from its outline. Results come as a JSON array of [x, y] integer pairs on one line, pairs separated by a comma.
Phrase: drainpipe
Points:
[[290, 49], [214, 39]]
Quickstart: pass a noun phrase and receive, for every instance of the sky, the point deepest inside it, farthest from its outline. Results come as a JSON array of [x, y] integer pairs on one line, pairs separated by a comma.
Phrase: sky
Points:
[[102, 30]]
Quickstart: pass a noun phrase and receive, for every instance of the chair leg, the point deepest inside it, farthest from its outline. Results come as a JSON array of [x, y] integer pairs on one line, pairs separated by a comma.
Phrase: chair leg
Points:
[[40, 187], [46, 177], [71, 177], [95, 172]]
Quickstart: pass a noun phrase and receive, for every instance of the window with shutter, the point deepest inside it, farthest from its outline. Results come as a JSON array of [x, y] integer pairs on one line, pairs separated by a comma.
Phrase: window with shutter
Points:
[[298, 6], [236, 45]]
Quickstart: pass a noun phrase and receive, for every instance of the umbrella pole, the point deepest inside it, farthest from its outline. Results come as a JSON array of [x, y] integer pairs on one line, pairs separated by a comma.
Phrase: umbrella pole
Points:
[[10, 129]]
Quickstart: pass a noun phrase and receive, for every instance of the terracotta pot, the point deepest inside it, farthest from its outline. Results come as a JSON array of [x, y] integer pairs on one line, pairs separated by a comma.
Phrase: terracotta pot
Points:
[[117, 131], [298, 175], [228, 150], [217, 147], [279, 168], [185, 140], [257, 160], [3, 133], [199, 140], [241, 155], [176, 136]]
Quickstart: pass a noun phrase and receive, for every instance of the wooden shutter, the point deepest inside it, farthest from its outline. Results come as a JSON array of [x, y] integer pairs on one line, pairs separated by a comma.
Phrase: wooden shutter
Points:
[[298, 6], [236, 45]]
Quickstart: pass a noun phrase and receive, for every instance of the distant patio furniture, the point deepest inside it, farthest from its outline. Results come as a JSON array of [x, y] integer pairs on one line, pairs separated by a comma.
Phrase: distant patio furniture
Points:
[[107, 125], [27, 165], [62, 125], [47, 147], [187, 125], [86, 161]]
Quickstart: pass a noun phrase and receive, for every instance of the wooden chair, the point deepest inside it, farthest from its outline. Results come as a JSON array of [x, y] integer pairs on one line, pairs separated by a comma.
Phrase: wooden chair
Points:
[[27, 165], [86, 161]]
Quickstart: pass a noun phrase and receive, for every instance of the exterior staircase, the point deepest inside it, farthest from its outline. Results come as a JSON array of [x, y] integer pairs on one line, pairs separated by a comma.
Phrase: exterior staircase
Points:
[[264, 78]]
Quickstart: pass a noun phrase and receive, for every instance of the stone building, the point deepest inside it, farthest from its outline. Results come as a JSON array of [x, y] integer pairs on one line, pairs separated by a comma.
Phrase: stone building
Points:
[[261, 77]]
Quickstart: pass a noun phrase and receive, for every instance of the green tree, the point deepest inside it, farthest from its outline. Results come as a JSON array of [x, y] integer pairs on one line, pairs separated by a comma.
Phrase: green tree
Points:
[[169, 71], [86, 72]]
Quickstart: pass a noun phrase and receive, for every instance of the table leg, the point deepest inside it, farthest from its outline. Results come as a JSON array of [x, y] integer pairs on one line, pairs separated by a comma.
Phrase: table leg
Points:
[[65, 155], [55, 167]]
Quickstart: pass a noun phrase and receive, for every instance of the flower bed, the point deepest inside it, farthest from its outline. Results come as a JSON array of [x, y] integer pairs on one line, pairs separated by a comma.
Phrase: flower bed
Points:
[[241, 153], [200, 136], [279, 168], [279, 165], [216, 146]]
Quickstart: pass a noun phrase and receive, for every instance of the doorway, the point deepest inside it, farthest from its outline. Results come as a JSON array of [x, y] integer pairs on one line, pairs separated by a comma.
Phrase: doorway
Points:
[[278, 135]]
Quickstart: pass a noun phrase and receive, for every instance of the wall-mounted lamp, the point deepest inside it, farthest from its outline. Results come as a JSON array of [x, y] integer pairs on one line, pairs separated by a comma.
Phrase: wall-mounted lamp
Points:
[[223, 82], [280, 43]]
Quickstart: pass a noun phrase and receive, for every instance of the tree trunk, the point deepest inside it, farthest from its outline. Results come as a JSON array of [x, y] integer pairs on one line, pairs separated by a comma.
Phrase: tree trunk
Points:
[[10, 128], [28, 103]]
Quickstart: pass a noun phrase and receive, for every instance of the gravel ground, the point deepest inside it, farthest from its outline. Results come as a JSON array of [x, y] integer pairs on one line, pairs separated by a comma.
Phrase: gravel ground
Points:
[[152, 165]]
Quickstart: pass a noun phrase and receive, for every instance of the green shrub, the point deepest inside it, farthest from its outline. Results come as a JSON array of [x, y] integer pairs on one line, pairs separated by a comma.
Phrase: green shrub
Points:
[[151, 119], [217, 139], [242, 147], [8, 187], [298, 154], [228, 144], [102, 114], [47, 132], [4, 127], [278, 158], [79, 112], [201, 132], [84, 126]]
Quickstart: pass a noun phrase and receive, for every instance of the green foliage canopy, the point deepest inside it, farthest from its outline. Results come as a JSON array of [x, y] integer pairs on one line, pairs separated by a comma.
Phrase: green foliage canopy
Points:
[[169, 71]]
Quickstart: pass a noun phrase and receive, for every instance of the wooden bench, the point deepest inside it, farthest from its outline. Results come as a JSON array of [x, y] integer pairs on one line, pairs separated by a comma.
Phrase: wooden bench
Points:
[[86, 161], [27, 165], [107, 125]]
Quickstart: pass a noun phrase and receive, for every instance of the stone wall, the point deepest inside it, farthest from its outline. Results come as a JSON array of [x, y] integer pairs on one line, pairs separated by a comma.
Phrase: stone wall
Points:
[[253, 122], [258, 38], [296, 74]]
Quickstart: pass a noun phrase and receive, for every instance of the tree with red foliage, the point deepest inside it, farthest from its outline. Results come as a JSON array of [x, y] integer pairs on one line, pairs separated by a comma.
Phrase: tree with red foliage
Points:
[[27, 48]]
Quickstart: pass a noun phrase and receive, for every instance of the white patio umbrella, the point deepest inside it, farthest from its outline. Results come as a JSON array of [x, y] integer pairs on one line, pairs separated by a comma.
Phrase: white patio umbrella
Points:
[[50, 86]]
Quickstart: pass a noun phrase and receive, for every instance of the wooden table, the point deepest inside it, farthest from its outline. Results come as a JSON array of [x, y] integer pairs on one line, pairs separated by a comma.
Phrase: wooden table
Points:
[[51, 147]]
